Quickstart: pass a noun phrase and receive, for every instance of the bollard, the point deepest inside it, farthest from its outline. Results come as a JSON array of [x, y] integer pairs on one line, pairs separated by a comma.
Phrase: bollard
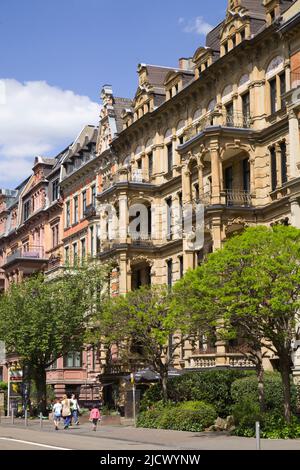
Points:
[[12, 416], [257, 433], [41, 420], [26, 418]]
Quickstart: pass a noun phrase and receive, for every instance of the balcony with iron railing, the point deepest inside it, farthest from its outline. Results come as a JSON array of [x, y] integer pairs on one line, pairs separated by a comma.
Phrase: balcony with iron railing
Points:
[[236, 120], [135, 175], [26, 253], [228, 197]]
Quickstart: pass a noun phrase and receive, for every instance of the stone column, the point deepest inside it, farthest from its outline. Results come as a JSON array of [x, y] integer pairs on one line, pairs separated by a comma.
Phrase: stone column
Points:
[[295, 211], [200, 180], [294, 144], [215, 176], [216, 233], [220, 347], [186, 185]]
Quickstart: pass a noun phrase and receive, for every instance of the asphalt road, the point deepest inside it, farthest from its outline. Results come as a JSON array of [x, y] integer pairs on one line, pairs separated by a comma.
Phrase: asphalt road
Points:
[[125, 438]]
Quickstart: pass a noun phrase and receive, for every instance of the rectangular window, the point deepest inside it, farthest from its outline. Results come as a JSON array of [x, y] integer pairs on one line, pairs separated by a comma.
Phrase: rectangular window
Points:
[[67, 255], [282, 88], [229, 178], [68, 214], [273, 169], [273, 95], [150, 164], [73, 360], [93, 189], [246, 108], [92, 239], [283, 163], [55, 190], [83, 249], [55, 236], [75, 209], [26, 210], [83, 202], [170, 273], [169, 218], [229, 115], [75, 253], [180, 266], [170, 157], [246, 174]]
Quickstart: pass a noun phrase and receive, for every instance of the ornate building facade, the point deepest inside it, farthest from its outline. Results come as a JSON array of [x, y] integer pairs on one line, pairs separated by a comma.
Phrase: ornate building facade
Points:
[[220, 130]]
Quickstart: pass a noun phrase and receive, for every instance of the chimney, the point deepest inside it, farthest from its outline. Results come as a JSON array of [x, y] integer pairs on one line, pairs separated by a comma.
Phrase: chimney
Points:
[[186, 63]]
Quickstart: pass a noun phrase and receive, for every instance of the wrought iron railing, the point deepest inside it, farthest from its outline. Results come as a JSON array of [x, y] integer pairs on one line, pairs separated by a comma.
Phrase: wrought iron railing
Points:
[[26, 252], [235, 197], [90, 211]]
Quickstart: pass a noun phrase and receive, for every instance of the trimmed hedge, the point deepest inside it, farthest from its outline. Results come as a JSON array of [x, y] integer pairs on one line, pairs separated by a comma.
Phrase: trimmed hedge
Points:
[[3, 386], [248, 389], [212, 386], [188, 416]]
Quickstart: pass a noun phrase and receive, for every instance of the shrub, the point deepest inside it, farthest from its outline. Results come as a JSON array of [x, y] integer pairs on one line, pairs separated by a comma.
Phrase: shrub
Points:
[[246, 412], [247, 387], [3, 385], [209, 386], [188, 416]]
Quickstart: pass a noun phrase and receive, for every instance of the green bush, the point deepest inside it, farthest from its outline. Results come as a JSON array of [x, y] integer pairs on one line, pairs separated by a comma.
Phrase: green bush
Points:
[[246, 412], [3, 386], [188, 416], [247, 387], [209, 386]]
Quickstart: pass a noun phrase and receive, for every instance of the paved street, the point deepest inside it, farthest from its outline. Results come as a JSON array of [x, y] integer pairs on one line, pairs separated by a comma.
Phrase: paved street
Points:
[[16, 437]]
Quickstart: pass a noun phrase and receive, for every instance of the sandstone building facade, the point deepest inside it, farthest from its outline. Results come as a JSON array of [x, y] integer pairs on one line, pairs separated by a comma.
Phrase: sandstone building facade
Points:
[[220, 130]]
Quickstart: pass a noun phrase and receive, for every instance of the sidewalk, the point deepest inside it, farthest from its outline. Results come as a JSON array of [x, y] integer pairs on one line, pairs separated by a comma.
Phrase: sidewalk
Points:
[[170, 439]]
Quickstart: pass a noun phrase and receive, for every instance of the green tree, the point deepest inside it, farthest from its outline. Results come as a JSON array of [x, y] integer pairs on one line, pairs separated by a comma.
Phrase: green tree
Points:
[[252, 285], [44, 320], [142, 322]]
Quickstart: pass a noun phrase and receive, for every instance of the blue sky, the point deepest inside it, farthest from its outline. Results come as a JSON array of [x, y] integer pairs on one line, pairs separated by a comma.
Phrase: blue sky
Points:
[[79, 45]]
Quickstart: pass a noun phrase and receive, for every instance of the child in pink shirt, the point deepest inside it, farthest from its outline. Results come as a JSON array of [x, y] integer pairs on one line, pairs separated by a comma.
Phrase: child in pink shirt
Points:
[[95, 416]]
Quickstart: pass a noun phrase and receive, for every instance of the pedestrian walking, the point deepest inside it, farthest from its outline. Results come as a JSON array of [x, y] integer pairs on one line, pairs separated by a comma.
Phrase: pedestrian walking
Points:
[[95, 416], [75, 409], [57, 410], [66, 411]]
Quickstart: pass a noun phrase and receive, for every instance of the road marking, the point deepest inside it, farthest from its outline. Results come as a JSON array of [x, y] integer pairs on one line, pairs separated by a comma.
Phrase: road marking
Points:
[[33, 443]]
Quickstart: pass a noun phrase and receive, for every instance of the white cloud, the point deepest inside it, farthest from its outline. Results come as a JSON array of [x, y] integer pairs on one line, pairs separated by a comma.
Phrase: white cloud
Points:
[[197, 25], [37, 119]]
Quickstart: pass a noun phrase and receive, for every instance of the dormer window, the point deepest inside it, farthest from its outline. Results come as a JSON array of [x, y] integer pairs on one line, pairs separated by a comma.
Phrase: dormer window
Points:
[[243, 34], [225, 45]]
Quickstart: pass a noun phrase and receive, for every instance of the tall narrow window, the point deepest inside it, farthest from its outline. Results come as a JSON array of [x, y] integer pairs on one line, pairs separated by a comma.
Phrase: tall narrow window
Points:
[[180, 258], [26, 210], [246, 174], [75, 209], [93, 201], [197, 192], [75, 253], [169, 218], [92, 239], [150, 164], [83, 249], [283, 163], [273, 169], [55, 190], [67, 255], [169, 273], [83, 203], [282, 88], [170, 157], [55, 236], [273, 95], [229, 178], [68, 214], [246, 109], [229, 115]]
